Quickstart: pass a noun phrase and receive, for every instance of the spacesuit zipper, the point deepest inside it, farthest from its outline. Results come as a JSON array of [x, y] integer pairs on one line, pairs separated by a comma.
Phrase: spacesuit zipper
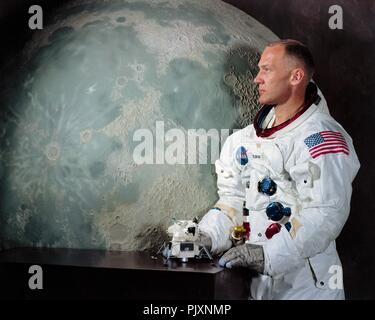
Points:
[[312, 271]]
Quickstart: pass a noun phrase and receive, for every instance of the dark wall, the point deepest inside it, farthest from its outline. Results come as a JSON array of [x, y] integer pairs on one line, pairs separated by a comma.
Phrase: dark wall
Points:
[[344, 72]]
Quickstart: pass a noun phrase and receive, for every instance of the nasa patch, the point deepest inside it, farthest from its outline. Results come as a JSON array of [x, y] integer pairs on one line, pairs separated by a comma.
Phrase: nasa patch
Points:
[[241, 156]]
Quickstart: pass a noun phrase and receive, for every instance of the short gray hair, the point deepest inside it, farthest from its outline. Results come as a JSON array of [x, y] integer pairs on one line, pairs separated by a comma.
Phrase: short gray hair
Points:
[[299, 51]]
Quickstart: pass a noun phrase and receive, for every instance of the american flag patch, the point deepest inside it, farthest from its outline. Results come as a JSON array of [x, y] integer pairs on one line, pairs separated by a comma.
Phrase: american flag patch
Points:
[[325, 142]]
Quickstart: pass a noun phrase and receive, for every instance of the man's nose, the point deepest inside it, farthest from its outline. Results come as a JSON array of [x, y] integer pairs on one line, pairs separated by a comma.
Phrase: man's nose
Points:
[[257, 79]]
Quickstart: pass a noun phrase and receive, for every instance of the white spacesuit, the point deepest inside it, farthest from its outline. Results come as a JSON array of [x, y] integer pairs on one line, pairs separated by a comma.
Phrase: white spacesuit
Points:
[[310, 162]]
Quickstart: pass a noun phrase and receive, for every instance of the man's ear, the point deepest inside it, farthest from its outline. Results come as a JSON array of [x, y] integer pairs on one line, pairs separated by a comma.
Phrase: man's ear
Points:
[[297, 76]]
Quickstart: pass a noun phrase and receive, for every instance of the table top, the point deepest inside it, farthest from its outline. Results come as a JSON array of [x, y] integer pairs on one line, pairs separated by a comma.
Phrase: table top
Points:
[[106, 259]]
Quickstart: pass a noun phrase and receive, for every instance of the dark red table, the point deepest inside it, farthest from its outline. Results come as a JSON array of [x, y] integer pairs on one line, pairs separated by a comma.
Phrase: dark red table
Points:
[[100, 274]]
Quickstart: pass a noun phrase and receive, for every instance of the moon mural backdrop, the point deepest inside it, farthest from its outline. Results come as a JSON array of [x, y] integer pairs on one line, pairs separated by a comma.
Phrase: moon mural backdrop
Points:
[[96, 77]]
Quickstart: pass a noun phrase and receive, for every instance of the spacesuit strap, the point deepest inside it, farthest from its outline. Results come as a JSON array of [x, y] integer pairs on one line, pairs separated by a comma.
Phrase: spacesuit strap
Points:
[[227, 210]]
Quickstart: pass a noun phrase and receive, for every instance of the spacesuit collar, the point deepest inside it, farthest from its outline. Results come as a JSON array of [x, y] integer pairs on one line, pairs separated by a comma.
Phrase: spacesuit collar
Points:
[[311, 97]]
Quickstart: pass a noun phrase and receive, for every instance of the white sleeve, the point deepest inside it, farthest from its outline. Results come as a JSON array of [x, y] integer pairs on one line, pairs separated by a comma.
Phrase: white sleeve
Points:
[[324, 186], [218, 222]]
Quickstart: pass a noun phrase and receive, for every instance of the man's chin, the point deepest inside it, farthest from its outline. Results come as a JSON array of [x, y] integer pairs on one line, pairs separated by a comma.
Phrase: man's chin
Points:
[[262, 101]]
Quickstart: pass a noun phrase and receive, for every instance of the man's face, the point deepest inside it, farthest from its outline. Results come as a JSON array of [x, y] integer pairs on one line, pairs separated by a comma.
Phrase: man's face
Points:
[[274, 75]]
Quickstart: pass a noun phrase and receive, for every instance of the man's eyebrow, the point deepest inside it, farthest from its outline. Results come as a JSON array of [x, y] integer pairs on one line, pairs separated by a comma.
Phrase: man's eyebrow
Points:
[[263, 65]]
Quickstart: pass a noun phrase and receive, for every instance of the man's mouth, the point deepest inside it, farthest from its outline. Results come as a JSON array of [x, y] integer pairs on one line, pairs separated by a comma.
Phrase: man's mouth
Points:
[[261, 91]]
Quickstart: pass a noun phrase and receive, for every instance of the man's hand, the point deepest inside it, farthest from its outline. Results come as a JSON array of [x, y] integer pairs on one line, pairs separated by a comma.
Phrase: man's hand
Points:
[[246, 255]]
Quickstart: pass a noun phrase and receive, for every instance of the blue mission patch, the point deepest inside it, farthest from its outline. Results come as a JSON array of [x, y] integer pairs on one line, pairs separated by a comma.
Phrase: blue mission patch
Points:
[[241, 156]]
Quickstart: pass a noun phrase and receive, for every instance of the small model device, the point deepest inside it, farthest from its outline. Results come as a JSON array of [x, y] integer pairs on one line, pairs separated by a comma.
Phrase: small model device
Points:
[[185, 242]]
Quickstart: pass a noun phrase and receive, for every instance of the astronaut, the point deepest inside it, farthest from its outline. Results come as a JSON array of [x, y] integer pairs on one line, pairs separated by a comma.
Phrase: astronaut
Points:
[[294, 168]]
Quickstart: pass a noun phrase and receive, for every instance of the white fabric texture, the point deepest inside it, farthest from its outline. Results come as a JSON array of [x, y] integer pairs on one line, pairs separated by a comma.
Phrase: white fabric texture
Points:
[[298, 262]]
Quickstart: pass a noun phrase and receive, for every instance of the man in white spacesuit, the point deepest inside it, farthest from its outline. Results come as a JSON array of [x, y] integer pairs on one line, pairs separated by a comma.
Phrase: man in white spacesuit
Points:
[[294, 167]]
